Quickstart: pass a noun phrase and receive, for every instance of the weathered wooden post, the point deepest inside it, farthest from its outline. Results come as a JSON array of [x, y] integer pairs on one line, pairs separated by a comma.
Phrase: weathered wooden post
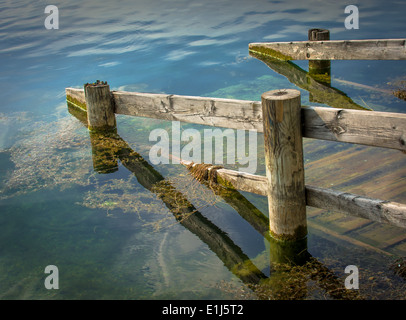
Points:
[[281, 112], [100, 107], [101, 122], [320, 69]]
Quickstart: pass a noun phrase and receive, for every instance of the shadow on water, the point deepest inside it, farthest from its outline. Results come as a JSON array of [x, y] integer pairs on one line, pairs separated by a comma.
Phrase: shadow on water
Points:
[[291, 266]]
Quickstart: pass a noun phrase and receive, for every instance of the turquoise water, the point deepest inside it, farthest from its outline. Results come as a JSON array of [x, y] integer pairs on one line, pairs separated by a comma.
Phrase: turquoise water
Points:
[[110, 236]]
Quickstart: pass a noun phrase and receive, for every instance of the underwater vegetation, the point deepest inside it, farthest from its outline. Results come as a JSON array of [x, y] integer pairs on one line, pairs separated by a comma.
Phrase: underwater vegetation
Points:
[[58, 155], [48, 155], [313, 281], [399, 267], [400, 89]]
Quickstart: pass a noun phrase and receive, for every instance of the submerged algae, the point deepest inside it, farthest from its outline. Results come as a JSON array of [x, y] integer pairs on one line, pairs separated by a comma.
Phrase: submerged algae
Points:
[[48, 156], [316, 281], [76, 102], [400, 91], [56, 156]]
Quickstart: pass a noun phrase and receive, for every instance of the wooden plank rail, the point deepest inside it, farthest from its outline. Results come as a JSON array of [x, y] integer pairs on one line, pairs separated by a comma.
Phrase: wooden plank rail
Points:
[[371, 128], [371, 49], [236, 114], [364, 207], [379, 129]]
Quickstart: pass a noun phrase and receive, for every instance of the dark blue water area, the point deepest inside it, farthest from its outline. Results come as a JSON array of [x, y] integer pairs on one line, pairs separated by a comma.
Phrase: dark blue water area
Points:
[[111, 235]]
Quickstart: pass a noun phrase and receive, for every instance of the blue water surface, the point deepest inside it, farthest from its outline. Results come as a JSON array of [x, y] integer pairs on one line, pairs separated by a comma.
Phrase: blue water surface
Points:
[[109, 236]]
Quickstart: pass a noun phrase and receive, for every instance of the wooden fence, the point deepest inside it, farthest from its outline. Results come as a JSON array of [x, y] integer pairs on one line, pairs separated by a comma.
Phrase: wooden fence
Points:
[[108, 148], [379, 129], [284, 122]]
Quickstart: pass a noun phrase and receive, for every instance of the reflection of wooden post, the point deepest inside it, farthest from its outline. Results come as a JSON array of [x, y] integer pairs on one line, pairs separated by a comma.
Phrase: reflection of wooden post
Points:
[[320, 69], [100, 107], [319, 91], [103, 153], [281, 111]]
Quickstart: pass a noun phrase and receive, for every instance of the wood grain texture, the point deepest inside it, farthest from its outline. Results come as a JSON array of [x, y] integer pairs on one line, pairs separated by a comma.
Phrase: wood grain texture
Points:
[[360, 206], [374, 49], [100, 107], [281, 112], [379, 129], [235, 114]]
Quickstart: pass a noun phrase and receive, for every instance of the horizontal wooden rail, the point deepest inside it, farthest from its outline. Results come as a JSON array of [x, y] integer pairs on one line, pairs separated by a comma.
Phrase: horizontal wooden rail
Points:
[[374, 49], [379, 129], [237, 114], [356, 205], [228, 113], [372, 128]]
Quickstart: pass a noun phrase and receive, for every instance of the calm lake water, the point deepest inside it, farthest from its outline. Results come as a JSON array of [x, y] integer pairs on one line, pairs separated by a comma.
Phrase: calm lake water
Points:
[[111, 235]]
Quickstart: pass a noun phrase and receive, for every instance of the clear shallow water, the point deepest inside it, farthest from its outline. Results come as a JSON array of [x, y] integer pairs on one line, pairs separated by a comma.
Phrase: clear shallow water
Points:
[[102, 230]]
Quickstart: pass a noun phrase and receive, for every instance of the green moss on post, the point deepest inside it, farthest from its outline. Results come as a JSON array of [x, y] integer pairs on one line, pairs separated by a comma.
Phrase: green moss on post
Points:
[[76, 102], [77, 112], [299, 233], [320, 70], [268, 52], [288, 252]]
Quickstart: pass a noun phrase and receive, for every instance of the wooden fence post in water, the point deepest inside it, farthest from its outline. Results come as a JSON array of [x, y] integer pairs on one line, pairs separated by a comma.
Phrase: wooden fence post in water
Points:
[[281, 112], [320, 69], [100, 107]]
